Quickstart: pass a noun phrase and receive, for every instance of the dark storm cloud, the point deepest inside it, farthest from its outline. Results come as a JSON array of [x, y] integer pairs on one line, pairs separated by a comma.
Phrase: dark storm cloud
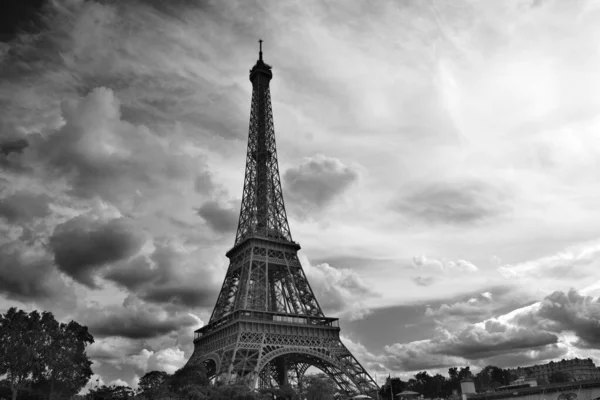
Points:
[[571, 311], [20, 16], [106, 156], [93, 44], [161, 285], [482, 345], [220, 219], [13, 146], [135, 320], [192, 295], [10, 152], [23, 206], [499, 343], [317, 181], [526, 357], [577, 313], [135, 273], [27, 273], [450, 202], [171, 100], [163, 277], [416, 361], [83, 245], [494, 339]]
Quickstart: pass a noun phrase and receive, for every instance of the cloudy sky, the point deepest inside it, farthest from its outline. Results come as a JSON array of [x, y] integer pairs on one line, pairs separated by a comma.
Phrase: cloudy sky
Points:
[[439, 160]]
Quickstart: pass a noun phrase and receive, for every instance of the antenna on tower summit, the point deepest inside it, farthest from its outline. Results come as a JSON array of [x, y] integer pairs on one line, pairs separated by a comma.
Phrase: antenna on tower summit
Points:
[[260, 49]]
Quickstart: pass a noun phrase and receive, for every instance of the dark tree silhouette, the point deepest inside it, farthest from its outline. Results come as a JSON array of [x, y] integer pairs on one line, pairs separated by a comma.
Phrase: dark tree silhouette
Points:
[[64, 366], [153, 384], [112, 393], [19, 346], [239, 392], [318, 387], [464, 372], [42, 354], [395, 385], [490, 378], [191, 378]]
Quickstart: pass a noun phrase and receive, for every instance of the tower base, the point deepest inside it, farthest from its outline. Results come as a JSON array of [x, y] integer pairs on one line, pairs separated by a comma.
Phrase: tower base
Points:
[[262, 351]]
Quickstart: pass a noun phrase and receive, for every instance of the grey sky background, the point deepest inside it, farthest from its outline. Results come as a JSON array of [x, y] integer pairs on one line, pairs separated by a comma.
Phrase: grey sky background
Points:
[[439, 162]]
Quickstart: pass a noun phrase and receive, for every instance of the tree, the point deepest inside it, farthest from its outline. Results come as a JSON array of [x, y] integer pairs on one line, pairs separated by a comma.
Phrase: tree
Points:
[[112, 392], [453, 382], [395, 385], [189, 379], [233, 392], [64, 365], [455, 377], [502, 376], [153, 383], [19, 345], [464, 373], [318, 387], [491, 377], [427, 385], [287, 392], [453, 373], [437, 386]]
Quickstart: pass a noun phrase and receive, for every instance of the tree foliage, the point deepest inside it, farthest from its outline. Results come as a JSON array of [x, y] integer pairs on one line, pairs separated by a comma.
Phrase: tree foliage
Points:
[[19, 345], [395, 386], [491, 377], [112, 392], [186, 381], [153, 385], [440, 386], [153, 380], [65, 366], [233, 392], [43, 355], [318, 387]]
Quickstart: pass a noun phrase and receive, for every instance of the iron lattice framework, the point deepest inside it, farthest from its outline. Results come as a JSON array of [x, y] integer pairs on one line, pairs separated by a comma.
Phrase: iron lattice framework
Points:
[[267, 327]]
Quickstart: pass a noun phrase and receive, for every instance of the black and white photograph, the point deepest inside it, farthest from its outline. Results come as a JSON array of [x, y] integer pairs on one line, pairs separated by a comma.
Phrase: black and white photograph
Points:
[[300, 199]]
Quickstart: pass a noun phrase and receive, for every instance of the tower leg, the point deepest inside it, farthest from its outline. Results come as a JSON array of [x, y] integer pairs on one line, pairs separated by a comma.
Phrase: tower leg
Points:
[[281, 368]]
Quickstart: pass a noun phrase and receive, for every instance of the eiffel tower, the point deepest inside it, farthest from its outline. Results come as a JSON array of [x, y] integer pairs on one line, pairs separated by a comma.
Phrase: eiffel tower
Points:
[[267, 327]]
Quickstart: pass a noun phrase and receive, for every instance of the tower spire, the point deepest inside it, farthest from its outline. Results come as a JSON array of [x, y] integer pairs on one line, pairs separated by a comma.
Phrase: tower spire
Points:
[[263, 211], [260, 49]]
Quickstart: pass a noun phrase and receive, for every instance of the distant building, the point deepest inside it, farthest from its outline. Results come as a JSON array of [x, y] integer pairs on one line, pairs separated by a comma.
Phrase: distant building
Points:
[[521, 382], [577, 369], [580, 390]]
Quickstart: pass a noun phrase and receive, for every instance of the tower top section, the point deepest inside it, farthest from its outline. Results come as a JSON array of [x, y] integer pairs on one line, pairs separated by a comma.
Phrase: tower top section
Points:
[[260, 68], [262, 214]]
